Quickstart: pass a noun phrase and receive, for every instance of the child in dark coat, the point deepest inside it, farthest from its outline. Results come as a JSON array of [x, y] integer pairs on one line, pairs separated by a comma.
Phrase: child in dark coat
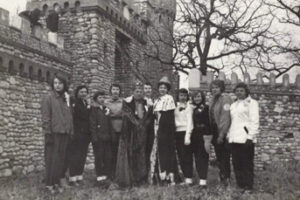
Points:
[[100, 125]]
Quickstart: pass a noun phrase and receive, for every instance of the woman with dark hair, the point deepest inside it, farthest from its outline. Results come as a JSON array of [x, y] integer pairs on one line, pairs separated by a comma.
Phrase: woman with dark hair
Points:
[[100, 126], [163, 157], [183, 122], [219, 115], [78, 147], [198, 139], [57, 125], [242, 135]]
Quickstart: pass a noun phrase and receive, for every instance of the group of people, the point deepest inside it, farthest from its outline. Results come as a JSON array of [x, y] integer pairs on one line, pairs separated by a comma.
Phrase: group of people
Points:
[[138, 139]]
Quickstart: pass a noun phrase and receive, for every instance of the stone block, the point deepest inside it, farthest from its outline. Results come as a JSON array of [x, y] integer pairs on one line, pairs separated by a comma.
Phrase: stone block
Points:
[[6, 172]]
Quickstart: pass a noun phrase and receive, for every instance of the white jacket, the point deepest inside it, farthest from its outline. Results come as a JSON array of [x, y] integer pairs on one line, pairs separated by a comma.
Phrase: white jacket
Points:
[[183, 118], [244, 118]]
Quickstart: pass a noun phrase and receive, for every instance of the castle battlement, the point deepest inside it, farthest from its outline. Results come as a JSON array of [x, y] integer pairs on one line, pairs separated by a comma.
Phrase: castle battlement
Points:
[[123, 14], [260, 84], [29, 54]]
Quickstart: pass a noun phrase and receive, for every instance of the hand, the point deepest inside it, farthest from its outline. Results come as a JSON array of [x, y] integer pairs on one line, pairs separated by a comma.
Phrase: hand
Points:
[[220, 140], [187, 140], [207, 147], [248, 142]]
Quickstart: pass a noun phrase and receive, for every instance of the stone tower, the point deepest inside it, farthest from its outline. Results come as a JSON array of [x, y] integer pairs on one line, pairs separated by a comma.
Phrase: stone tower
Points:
[[108, 39]]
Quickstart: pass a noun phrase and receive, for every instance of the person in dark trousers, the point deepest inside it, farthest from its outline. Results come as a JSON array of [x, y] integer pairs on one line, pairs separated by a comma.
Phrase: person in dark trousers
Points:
[[114, 103], [57, 125], [242, 135], [183, 116], [150, 127], [163, 156], [219, 115], [198, 139], [78, 147], [100, 125]]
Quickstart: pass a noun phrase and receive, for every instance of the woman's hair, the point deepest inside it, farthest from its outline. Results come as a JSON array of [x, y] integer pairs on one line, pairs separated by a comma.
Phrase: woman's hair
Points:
[[98, 93], [62, 80], [78, 89], [148, 83], [244, 86], [195, 93], [219, 83], [183, 91], [166, 84], [115, 85]]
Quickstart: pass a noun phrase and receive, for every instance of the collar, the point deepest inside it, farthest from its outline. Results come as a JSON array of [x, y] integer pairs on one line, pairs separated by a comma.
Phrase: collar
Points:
[[182, 104], [246, 100], [57, 95]]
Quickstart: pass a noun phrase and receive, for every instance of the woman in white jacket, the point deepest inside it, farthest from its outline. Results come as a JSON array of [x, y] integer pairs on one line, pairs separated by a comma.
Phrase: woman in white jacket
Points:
[[242, 135], [183, 122]]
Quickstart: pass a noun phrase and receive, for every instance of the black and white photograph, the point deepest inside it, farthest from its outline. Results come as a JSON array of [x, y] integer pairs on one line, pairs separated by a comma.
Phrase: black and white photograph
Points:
[[149, 99]]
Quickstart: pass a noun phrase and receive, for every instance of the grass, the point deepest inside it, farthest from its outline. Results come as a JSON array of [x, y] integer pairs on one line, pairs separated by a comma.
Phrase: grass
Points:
[[281, 181]]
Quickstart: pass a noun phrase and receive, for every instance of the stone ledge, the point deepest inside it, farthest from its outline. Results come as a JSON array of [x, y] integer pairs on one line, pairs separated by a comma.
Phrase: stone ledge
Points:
[[100, 6]]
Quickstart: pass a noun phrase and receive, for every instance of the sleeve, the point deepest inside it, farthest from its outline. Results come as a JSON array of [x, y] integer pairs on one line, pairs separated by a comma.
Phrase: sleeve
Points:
[[93, 123], [254, 119], [225, 119], [190, 125], [46, 115]]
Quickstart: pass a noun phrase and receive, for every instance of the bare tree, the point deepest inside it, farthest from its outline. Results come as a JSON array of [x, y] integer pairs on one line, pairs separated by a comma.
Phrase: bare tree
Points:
[[222, 34], [287, 14]]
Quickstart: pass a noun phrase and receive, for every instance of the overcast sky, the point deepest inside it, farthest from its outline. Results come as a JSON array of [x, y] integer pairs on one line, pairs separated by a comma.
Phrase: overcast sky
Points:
[[13, 5]]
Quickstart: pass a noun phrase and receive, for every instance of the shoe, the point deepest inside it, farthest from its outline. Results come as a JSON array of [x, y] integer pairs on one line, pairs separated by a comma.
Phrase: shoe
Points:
[[203, 183]]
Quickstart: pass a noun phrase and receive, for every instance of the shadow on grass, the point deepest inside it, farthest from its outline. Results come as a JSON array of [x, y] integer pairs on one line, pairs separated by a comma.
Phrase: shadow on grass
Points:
[[280, 181]]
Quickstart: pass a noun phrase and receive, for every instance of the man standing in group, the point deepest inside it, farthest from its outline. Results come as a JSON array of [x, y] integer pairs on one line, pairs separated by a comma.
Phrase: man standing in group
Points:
[[148, 93], [114, 104], [150, 128], [57, 125]]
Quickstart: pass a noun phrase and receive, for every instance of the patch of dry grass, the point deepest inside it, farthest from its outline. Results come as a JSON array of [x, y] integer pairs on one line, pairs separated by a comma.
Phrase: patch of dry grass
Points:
[[278, 182]]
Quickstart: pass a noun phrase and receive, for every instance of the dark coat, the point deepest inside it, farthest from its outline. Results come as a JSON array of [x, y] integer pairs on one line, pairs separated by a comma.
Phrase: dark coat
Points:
[[131, 164], [201, 120], [81, 115], [100, 124]]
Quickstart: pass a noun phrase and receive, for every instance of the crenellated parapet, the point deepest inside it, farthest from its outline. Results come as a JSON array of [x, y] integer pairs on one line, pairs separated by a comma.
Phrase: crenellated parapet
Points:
[[258, 84], [121, 13], [29, 56]]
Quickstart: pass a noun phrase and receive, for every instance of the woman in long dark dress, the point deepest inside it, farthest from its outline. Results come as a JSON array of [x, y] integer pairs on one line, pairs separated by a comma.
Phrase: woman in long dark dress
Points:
[[131, 166], [163, 156]]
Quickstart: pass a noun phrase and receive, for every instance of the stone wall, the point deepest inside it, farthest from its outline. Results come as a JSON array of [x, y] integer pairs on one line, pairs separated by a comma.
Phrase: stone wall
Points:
[[27, 64], [108, 40], [99, 42], [279, 103]]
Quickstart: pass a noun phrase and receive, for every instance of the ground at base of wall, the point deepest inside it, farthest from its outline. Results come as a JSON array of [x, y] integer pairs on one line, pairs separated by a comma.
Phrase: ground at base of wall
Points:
[[282, 182]]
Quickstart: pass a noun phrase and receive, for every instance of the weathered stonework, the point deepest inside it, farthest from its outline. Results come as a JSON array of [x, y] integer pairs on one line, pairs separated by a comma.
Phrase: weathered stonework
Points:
[[98, 42], [26, 65]]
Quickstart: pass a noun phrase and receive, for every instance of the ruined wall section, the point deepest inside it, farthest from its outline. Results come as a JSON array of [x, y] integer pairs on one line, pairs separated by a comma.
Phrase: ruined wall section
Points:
[[27, 64]]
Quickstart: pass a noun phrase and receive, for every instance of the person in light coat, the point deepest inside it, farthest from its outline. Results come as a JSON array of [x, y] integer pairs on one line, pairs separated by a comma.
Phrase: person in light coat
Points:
[[242, 135], [219, 117]]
